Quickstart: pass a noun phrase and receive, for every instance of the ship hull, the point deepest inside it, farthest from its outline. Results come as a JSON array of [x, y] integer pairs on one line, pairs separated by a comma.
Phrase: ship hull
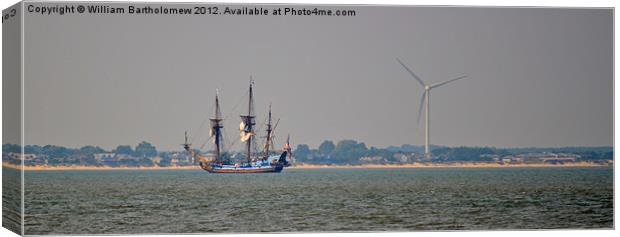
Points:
[[250, 169]]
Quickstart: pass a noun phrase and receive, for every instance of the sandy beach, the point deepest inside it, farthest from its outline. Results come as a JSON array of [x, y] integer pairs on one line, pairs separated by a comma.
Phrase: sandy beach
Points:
[[311, 166]]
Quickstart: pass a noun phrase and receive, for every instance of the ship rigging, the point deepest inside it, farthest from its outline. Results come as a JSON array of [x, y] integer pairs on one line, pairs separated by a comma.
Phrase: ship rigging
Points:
[[263, 163]]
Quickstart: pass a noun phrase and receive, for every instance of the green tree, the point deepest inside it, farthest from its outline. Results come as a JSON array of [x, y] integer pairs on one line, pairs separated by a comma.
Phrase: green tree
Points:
[[349, 151], [56, 151], [123, 149], [89, 150], [327, 147], [302, 151], [145, 149], [6, 148], [33, 149]]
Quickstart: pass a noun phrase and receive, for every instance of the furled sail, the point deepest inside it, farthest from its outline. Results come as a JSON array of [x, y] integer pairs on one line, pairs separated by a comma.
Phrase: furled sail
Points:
[[213, 134], [215, 131], [246, 128], [245, 136], [214, 124], [245, 132], [242, 126]]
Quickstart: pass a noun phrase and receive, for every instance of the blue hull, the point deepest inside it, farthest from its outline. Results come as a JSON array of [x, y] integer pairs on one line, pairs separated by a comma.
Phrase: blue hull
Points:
[[216, 168]]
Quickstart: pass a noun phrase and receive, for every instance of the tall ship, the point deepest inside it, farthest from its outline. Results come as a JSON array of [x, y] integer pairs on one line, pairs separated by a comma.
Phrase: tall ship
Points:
[[260, 162]]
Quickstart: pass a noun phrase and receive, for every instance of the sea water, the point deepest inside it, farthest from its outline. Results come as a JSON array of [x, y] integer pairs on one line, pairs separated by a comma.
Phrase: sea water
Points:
[[309, 200]]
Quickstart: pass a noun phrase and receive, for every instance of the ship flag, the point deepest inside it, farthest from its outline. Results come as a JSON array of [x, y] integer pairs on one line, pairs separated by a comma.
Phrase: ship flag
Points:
[[287, 145]]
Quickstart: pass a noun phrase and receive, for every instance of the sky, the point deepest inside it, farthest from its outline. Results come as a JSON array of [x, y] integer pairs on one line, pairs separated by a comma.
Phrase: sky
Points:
[[537, 77]]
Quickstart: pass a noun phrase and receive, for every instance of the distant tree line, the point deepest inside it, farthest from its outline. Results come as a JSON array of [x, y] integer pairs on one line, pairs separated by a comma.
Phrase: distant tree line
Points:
[[122, 155], [353, 152], [343, 152], [144, 149]]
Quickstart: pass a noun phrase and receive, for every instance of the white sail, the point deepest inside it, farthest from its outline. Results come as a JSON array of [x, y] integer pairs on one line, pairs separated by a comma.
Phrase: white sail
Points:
[[246, 135]]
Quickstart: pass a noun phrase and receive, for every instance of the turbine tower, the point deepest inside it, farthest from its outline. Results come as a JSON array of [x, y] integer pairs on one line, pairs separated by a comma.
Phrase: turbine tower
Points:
[[426, 96]]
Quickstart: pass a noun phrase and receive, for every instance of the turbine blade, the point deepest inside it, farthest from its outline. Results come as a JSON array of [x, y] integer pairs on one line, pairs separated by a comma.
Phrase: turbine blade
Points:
[[446, 82], [421, 106], [411, 72]]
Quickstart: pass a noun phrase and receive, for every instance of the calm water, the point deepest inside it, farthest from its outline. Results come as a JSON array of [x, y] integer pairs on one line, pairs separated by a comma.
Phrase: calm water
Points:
[[111, 202], [11, 196]]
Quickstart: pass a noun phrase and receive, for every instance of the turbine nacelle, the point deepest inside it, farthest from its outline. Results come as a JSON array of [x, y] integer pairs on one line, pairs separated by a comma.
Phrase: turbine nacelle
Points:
[[424, 98]]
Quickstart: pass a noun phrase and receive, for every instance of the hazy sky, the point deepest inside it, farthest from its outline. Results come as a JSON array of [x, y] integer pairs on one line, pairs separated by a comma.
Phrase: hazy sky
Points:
[[537, 76]]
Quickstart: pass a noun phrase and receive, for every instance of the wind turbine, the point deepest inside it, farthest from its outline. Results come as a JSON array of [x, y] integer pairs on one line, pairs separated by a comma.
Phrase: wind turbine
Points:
[[426, 96]]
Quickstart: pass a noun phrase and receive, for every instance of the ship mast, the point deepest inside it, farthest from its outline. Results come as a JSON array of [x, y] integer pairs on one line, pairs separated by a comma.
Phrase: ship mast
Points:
[[216, 129], [247, 124], [269, 131]]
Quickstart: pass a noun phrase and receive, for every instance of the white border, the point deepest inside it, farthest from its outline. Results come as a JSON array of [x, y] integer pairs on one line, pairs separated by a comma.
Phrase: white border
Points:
[[505, 3]]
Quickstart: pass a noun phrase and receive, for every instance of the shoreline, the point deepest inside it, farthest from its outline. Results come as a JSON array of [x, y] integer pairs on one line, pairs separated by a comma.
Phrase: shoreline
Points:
[[455, 165], [309, 166], [81, 167]]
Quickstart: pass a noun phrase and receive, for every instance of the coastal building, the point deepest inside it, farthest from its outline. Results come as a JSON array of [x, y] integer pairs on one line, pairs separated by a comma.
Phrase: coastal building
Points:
[[13, 155], [541, 157], [372, 159], [402, 157], [104, 157]]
